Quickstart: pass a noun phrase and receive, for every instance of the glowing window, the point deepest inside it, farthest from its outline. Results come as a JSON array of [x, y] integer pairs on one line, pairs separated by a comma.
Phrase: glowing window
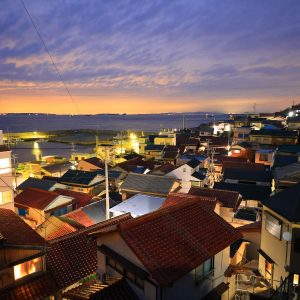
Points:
[[6, 197], [4, 165], [28, 267]]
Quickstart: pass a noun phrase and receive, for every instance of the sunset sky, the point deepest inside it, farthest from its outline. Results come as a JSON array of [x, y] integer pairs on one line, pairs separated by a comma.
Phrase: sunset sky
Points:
[[122, 56]]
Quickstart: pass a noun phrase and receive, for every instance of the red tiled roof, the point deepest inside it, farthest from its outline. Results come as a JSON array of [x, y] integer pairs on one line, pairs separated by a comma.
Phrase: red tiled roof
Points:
[[166, 168], [80, 216], [227, 198], [130, 165], [73, 257], [96, 162], [172, 241], [38, 288], [81, 199], [35, 198], [177, 198], [16, 232]]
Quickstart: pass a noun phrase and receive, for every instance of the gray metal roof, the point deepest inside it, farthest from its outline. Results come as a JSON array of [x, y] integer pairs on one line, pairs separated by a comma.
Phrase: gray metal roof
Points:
[[41, 184], [138, 205], [151, 184]]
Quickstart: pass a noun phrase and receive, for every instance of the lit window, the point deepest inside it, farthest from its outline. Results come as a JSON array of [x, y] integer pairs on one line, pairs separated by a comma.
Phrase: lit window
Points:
[[28, 267], [4, 165], [6, 197], [296, 279]]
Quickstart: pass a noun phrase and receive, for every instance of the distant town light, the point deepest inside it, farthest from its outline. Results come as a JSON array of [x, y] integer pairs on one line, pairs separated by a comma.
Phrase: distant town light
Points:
[[291, 114]]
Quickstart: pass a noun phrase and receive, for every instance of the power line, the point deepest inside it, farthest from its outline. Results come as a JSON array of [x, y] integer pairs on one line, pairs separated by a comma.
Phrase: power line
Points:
[[49, 54]]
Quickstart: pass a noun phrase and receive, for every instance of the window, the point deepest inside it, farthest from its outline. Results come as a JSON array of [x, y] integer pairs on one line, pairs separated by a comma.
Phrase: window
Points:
[[6, 197], [263, 157], [297, 245], [22, 212], [203, 270], [60, 211], [28, 267], [120, 269], [4, 165], [273, 225]]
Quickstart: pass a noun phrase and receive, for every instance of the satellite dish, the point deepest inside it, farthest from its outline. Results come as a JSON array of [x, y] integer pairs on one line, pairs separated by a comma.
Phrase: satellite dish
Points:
[[287, 236]]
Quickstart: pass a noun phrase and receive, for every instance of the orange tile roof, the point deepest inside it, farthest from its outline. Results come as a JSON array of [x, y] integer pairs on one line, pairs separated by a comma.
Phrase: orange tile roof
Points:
[[35, 198], [37, 288], [227, 198], [177, 198], [16, 232], [80, 216], [74, 256], [174, 240], [81, 199]]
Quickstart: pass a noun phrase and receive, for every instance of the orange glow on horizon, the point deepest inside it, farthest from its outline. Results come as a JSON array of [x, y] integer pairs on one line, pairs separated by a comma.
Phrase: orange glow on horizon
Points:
[[130, 105]]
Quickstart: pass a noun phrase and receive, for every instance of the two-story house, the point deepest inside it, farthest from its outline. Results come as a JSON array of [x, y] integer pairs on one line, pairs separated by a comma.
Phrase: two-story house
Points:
[[279, 254], [274, 137], [178, 251]]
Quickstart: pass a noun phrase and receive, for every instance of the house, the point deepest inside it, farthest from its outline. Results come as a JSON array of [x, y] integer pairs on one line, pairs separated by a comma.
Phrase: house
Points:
[[251, 196], [137, 205], [178, 250], [80, 199], [72, 259], [286, 176], [56, 170], [90, 214], [82, 181], [179, 198], [6, 176], [205, 131], [31, 182], [251, 233], [163, 169], [163, 139], [171, 154], [249, 176], [264, 156], [34, 205], [136, 165], [114, 177], [280, 235], [154, 185], [154, 151], [229, 201], [293, 123], [274, 137], [23, 271], [242, 149], [90, 164], [189, 174], [286, 154], [55, 227], [241, 134]]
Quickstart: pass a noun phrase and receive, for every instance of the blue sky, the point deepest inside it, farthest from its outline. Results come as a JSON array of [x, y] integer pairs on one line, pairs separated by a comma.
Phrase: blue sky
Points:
[[150, 56]]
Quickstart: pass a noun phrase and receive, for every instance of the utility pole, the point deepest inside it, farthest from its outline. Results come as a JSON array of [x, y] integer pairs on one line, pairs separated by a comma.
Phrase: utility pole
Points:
[[106, 184]]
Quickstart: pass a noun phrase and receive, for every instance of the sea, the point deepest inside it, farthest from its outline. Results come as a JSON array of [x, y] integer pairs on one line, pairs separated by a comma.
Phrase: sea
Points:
[[141, 122]]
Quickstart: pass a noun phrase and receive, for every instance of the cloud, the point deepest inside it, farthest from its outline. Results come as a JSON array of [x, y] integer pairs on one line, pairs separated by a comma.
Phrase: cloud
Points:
[[177, 49]]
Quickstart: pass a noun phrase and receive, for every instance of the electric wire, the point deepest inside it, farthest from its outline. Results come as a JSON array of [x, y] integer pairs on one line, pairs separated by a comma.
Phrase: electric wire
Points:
[[49, 54]]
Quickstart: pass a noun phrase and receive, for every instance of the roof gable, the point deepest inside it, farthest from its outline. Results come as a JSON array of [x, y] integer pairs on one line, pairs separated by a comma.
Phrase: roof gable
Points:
[[35, 198]]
